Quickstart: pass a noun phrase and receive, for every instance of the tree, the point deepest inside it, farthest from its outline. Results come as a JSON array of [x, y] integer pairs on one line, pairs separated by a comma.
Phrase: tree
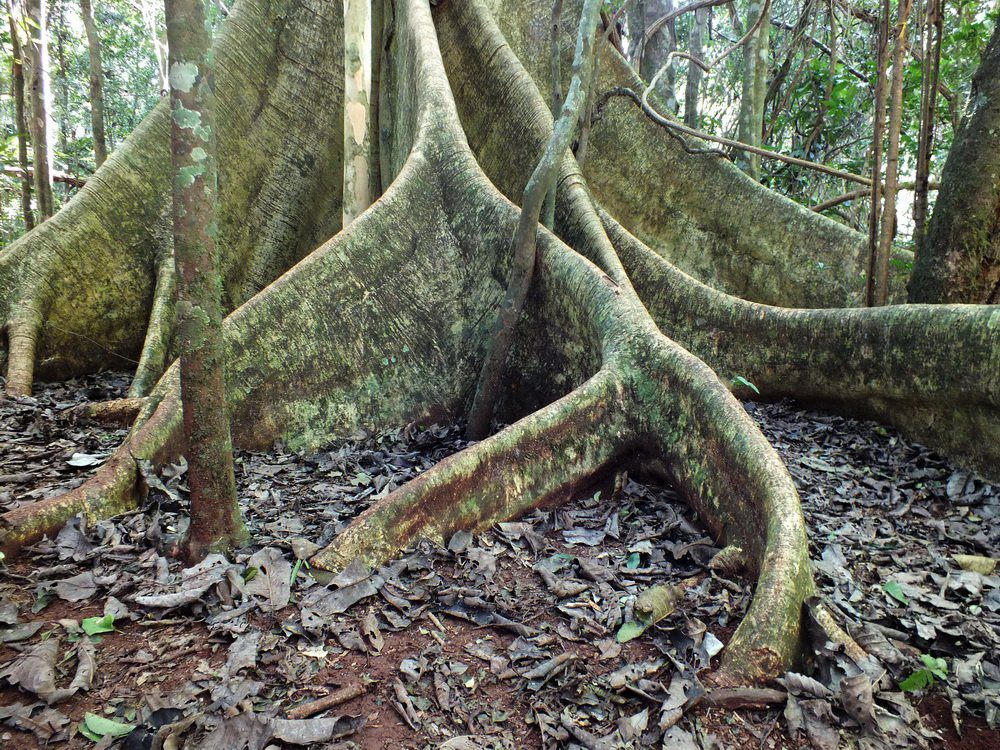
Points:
[[756, 58], [357, 107], [96, 82], [30, 21], [960, 259], [216, 524], [20, 125], [620, 354]]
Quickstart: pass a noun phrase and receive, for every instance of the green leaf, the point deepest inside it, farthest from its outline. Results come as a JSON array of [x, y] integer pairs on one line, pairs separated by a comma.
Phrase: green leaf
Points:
[[95, 625], [919, 680], [743, 381], [894, 590], [633, 561], [96, 727], [629, 630], [937, 667]]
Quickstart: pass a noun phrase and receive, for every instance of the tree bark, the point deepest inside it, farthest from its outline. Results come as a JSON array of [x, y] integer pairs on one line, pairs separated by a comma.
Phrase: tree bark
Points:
[[887, 230], [960, 261], [96, 83], [21, 125], [619, 355], [522, 270], [216, 524], [756, 60], [694, 73], [878, 144], [31, 21], [357, 107], [60, 81]]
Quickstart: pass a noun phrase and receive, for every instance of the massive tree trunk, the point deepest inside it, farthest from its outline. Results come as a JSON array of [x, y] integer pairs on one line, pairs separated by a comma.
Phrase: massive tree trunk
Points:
[[620, 356], [960, 258]]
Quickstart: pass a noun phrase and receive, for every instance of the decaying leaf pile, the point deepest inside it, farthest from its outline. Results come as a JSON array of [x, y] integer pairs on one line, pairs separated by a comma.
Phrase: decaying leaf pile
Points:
[[539, 633]]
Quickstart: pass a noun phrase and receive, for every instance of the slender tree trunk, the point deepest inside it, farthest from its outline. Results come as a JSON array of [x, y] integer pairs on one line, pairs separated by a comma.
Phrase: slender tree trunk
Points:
[[17, 85], [96, 83], [960, 260], [60, 80], [635, 15], [878, 136], [831, 80], [694, 72], [495, 364], [933, 23], [888, 228], [357, 107], [658, 51], [215, 517], [32, 26], [755, 64]]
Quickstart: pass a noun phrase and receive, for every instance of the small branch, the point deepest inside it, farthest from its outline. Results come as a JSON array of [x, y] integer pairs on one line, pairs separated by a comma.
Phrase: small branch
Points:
[[344, 694], [69, 179], [862, 193], [763, 152]]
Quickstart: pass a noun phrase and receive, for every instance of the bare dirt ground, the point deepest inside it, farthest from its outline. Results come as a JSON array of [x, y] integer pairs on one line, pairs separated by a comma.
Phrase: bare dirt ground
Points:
[[517, 638]]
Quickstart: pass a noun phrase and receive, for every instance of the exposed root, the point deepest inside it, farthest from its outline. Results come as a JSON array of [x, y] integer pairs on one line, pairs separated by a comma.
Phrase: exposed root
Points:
[[120, 412], [113, 489], [544, 458], [155, 349], [894, 363], [22, 340]]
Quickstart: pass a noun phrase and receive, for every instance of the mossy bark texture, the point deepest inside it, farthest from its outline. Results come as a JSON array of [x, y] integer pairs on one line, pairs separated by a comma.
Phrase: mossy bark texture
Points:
[[216, 524], [619, 355], [960, 259]]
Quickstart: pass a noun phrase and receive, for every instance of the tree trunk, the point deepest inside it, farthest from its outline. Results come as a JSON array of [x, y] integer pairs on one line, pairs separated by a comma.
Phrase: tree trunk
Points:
[[878, 144], [931, 42], [960, 261], [888, 228], [658, 51], [32, 24], [357, 107], [21, 126], [96, 83], [619, 355], [216, 525], [756, 60], [694, 72], [60, 81]]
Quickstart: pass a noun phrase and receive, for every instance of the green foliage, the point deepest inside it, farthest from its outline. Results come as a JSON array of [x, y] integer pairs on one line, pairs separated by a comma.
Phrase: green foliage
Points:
[[894, 590], [924, 677]]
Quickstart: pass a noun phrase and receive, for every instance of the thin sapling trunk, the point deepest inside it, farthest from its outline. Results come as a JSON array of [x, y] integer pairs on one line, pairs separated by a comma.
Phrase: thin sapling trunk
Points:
[[492, 372], [216, 524]]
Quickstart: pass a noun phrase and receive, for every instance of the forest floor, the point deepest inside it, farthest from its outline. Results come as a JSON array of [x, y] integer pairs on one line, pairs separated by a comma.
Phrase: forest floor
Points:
[[503, 640]]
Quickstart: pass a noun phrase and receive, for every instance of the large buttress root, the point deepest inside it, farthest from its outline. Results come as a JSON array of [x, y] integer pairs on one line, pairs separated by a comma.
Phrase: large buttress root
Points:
[[90, 274], [307, 360], [897, 364]]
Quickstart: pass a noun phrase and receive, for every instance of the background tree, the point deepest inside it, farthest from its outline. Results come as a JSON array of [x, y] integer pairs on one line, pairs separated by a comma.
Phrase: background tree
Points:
[[216, 524], [30, 21], [96, 83], [960, 261], [20, 124]]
